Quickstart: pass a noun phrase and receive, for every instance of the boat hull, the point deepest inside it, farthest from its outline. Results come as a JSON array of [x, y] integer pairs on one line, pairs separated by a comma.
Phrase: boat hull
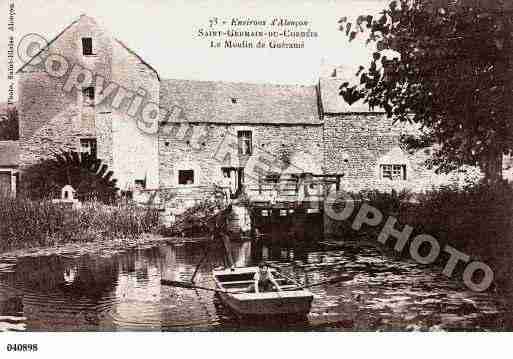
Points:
[[286, 303], [236, 291]]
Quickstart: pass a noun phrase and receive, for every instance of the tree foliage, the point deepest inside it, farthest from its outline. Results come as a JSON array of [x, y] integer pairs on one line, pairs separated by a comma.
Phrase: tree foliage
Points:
[[86, 174], [450, 72], [9, 126]]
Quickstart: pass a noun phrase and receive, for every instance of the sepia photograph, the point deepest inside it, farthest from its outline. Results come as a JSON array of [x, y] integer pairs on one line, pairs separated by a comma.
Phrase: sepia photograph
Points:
[[255, 166]]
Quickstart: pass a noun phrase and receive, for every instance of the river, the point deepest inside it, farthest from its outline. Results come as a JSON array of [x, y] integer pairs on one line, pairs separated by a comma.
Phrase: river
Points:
[[119, 290]]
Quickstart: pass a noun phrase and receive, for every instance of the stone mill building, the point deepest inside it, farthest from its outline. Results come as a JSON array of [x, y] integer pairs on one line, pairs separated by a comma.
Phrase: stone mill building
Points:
[[87, 91]]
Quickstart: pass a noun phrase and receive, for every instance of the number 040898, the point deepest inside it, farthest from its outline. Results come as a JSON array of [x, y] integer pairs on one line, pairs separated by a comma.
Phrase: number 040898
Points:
[[22, 347]]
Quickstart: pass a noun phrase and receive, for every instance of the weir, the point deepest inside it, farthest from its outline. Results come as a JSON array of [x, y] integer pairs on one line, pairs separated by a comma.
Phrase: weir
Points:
[[291, 206]]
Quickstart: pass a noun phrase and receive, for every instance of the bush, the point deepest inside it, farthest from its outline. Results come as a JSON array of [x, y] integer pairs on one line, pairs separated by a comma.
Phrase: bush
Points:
[[86, 174], [477, 221], [25, 223], [9, 127]]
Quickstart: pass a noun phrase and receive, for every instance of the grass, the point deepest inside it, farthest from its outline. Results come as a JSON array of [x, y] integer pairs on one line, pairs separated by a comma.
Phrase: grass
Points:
[[25, 223]]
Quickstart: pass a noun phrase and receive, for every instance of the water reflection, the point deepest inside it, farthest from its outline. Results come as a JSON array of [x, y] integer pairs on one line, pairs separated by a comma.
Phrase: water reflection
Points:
[[120, 290]]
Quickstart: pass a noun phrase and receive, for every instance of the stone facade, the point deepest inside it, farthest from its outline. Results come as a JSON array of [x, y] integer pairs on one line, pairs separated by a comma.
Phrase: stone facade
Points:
[[360, 144], [301, 129], [54, 116], [288, 144]]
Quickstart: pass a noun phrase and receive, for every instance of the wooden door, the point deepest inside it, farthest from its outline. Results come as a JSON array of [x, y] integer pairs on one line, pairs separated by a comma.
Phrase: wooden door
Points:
[[5, 184]]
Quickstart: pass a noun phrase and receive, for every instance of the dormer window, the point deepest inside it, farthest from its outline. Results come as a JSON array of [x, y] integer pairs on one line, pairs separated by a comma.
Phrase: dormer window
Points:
[[394, 172], [394, 166], [87, 46], [234, 100]]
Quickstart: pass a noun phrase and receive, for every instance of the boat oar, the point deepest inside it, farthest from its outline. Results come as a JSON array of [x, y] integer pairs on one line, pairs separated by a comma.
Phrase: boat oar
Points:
[[329, 281], [174, 283]]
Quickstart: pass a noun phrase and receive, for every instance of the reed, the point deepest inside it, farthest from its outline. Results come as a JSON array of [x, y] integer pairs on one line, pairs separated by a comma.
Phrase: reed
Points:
[[25, 223]]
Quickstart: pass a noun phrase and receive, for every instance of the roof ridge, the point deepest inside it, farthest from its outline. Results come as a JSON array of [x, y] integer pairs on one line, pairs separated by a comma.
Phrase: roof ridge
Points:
[[50, 42], [240, 83], [138, 56]]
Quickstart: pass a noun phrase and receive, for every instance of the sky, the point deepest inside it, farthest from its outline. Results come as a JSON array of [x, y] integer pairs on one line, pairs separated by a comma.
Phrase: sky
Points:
[[164, 34]]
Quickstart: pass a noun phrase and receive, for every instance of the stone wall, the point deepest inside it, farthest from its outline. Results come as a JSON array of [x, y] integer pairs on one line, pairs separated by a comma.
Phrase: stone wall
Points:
[[49, 120], [53, 119], [179, 149], [356, 145], [135, 147]]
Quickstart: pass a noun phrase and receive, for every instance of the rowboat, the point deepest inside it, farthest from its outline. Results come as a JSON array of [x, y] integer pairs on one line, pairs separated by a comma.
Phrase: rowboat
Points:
[[235, 291]]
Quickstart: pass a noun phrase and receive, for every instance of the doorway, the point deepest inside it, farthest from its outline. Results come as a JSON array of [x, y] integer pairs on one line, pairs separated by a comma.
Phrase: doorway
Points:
[[236, 176], [5, 184]]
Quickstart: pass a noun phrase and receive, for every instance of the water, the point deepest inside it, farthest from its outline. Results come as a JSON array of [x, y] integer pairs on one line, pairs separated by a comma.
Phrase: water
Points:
[[120, 290]]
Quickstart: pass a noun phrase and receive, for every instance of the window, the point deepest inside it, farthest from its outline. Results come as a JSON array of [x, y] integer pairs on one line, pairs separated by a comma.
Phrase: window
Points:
[[87, 46], [226, 171], [88, 96], [141, 184], [272, 177], [244, 142], [185, 177], [393, 172], [88, 146]]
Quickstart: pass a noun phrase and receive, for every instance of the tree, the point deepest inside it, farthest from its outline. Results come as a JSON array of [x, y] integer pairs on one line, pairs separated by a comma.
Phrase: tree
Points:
[[450, 73], [87, 175], [9, 127]]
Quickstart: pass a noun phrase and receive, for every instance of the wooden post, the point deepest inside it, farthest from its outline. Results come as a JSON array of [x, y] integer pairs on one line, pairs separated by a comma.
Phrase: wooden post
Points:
[[228, 250]]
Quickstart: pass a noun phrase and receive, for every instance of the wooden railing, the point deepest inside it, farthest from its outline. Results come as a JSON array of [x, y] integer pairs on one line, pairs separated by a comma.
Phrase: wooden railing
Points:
[[295, 189]]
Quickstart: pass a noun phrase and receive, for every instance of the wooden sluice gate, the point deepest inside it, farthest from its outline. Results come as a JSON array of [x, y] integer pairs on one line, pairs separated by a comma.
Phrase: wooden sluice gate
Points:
[[284, 223], [292, 207]]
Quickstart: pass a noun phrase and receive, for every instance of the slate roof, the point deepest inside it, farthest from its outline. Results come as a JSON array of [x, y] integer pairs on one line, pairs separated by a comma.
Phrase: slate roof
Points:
[[9, 152], [240, 103]]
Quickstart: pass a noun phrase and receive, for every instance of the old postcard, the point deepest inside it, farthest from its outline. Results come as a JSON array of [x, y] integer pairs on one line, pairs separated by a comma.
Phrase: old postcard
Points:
[[255, 166]]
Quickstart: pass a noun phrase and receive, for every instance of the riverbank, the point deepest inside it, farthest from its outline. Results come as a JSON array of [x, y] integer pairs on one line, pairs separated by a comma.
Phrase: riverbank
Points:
[[29, 224], [81, 248], [476, 221]]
